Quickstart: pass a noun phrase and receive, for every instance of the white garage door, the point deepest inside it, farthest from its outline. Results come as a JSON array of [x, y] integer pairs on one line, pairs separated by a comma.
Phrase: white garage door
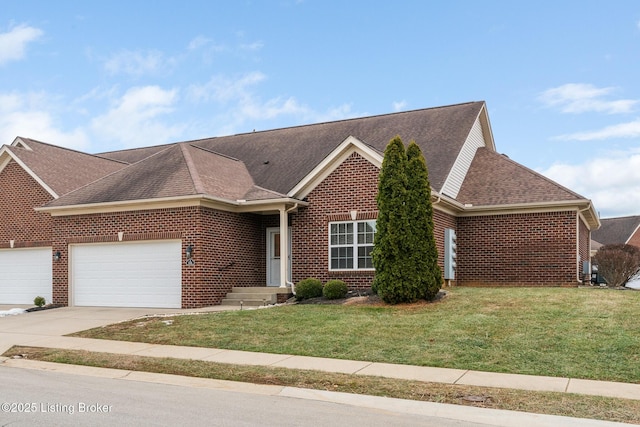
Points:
[[140, 274], [24, 275]]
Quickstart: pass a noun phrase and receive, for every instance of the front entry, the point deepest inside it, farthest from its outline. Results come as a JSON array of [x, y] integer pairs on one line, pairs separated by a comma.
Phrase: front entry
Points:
[[273, 256]]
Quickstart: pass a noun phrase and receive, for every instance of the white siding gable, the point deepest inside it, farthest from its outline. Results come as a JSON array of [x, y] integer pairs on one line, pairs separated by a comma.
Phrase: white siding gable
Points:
[[454, 180]]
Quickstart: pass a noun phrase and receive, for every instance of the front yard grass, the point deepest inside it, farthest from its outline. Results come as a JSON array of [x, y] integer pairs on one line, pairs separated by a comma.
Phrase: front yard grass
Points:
[[567, 332]]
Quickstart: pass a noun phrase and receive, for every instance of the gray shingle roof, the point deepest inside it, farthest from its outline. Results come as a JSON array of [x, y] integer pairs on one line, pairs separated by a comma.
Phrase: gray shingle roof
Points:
[[268, 164], [616, 230], [62, 169], [279, 159], [176, 170]]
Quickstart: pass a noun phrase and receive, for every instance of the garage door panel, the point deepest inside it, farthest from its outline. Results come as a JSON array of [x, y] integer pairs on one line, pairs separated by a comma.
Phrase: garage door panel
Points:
[[24, 275], [146, 274]]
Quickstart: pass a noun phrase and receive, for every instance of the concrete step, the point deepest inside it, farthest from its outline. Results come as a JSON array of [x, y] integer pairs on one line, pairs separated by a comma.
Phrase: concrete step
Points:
[[261, 290], [254, 296]]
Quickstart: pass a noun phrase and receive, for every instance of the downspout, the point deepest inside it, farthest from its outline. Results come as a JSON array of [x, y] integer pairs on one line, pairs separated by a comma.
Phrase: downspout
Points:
[[580, 267]]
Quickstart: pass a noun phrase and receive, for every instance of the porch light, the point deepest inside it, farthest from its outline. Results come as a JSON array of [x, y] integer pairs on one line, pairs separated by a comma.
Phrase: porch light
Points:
[[189, 251], [56, 256]]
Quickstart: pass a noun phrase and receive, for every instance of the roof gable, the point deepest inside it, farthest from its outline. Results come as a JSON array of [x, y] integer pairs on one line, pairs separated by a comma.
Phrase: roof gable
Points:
[[616, 230], [59, 170], [479, 136], [332, 161]]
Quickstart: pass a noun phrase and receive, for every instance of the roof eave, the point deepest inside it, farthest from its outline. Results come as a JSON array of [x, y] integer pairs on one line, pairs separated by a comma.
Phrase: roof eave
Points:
[[238, 206], [583, 206]]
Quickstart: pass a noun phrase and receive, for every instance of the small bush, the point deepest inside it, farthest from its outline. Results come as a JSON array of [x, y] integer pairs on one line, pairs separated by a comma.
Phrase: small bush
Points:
[[618, 263], [39, 301], [308, 288], [335, 289]]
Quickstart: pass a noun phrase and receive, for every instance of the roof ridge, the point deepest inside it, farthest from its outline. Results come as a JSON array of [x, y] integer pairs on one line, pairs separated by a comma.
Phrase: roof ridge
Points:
[[191, 167], [267, 190], [122, 170], [59, 147], [211, 151], [328, 122], [136, 148]]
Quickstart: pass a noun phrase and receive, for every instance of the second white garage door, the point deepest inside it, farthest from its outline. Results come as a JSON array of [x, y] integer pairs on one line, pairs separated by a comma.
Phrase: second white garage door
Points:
[[140, 274], [24, 275]]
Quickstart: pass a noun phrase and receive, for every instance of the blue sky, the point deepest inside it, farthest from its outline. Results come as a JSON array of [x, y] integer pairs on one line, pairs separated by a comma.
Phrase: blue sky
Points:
[[560, 78]]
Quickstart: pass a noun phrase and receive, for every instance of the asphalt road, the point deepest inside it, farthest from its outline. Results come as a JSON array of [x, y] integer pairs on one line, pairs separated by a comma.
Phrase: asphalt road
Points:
[[41, 398]]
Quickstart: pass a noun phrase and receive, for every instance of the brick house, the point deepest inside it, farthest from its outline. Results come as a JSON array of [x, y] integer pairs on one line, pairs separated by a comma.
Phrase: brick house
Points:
[[179, 225], [619, 230]]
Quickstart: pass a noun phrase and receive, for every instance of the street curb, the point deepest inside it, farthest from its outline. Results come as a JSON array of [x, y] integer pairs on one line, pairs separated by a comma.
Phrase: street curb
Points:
[[493, 417]]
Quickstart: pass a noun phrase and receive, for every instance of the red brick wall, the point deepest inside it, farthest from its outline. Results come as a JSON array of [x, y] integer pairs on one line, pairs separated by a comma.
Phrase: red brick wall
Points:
[[352, 186], [227, 247], [635, 238], [19, 194], [537, 249]]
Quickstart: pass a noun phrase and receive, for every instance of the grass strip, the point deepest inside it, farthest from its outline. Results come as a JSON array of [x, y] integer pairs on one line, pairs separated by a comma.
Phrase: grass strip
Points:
[[564, 404]]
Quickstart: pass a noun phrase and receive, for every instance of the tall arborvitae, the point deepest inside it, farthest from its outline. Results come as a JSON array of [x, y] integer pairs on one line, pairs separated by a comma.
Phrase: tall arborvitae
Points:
[[421, 241], [390, 258]]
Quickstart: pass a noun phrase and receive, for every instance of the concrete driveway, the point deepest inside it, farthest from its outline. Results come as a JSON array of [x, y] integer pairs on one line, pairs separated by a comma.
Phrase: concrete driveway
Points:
[[41, 326]]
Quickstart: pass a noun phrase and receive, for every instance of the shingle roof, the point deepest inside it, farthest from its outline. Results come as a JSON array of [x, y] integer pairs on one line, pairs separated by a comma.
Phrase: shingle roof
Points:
[[494, 179], [62, 169], [133, 155], [176, 170], [616, 230], [279, 159]]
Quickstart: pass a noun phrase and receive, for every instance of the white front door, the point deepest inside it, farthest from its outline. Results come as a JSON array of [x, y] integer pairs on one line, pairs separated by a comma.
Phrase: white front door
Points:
[[273, 256]]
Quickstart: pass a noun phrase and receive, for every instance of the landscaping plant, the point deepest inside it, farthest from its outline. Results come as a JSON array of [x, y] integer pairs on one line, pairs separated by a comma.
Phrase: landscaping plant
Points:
[[405, 255], [335, 289], [308, 288], [618, 264]]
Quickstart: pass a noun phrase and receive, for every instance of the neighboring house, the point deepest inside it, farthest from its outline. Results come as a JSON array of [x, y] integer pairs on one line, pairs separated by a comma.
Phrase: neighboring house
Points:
[[620, 230], [178, 225]]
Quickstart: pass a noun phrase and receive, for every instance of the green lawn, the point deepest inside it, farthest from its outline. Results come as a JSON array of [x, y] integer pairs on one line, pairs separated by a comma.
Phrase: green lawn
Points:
[[576, 332]]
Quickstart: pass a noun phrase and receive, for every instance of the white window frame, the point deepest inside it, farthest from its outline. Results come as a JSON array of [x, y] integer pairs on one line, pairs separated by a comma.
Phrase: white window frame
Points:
[[354, 245]]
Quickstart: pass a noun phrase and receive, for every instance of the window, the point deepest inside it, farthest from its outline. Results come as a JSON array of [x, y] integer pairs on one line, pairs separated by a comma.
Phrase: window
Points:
[[350, 245]]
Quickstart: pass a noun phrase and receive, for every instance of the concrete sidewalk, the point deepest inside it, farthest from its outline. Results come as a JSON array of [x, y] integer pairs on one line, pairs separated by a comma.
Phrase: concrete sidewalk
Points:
[[419, 373], [46, 329]]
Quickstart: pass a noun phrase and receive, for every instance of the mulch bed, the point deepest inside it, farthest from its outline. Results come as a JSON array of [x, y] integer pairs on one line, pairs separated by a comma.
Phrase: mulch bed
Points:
[[44, 307]]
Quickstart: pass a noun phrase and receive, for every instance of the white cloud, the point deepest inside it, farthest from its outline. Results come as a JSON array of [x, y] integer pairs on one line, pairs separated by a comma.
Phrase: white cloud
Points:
[[14, 43], [137, 63], [252, 46], [622, 130], [31, 115], [198, 42], [241, 103], [399, 105], [612, 182], [582, 98], [223, 89], [135, 118]]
